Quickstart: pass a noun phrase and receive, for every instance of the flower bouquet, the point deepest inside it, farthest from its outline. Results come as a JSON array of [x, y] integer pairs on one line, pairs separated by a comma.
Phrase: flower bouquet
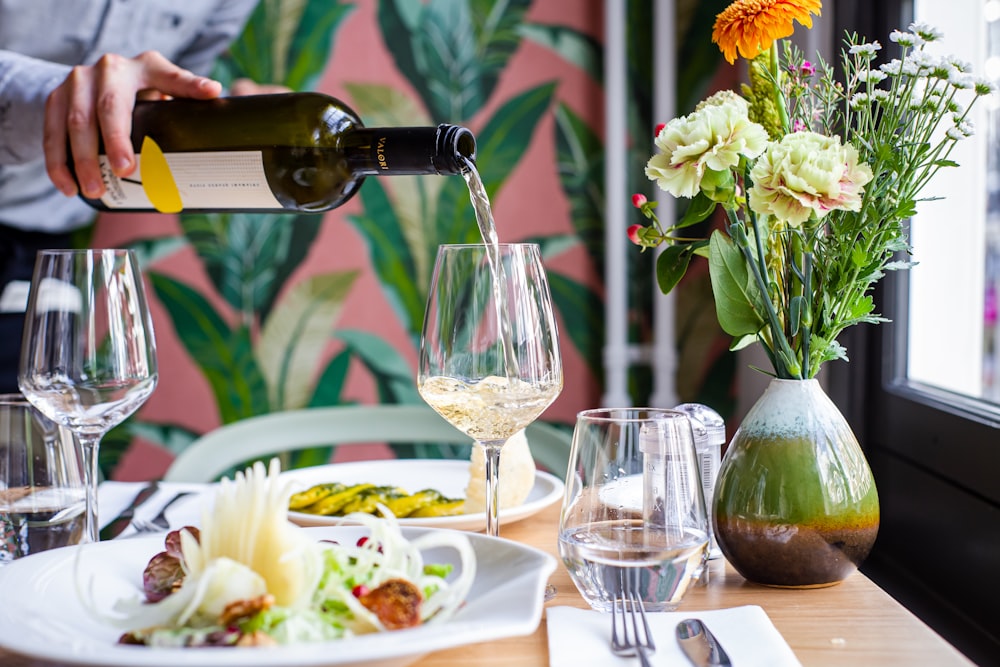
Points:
[[817, 177]]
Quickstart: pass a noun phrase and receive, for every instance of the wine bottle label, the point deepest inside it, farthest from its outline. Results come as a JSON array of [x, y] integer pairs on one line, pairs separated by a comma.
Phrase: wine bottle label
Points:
[[204, 180]]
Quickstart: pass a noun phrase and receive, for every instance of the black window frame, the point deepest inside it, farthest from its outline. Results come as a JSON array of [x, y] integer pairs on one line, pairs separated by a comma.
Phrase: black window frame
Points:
[[935, 454]]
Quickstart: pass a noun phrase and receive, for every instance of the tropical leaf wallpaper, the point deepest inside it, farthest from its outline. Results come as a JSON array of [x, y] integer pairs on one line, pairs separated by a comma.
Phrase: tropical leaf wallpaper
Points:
[[257, 313]]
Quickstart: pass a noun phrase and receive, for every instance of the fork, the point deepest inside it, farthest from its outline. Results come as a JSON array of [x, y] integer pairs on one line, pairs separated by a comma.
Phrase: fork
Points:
[[630, 634], [159, 522]]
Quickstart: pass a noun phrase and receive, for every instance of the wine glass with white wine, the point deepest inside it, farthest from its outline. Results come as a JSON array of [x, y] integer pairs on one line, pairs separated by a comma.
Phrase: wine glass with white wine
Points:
[[489, 352], [88, 357]]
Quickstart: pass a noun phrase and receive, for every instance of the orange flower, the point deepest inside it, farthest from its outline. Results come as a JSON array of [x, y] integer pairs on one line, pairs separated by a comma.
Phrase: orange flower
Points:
[[751, 26]]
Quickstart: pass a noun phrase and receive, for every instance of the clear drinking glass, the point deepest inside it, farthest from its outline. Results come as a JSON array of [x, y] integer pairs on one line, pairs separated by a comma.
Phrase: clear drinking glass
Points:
[[633, 514], [489, 351], [41, 482], [88, 357]]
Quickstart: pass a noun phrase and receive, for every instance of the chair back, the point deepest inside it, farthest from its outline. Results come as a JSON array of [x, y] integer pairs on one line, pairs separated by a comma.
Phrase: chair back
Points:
[[216, 452]]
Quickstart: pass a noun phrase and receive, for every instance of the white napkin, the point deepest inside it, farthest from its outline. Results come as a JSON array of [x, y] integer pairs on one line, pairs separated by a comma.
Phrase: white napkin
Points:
[[583, 637], [113, 497]]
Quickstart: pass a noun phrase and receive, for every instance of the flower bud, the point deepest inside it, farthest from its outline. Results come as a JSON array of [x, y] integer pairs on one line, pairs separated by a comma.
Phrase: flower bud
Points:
[[633, 234], [639, 200]]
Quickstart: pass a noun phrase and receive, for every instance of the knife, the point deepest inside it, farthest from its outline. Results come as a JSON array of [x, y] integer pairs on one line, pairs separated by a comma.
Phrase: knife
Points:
[[700, 645], [121, 522]]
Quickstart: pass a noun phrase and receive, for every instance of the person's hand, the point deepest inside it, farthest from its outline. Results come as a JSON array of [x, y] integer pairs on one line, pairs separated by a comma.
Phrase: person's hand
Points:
[[100, 98]]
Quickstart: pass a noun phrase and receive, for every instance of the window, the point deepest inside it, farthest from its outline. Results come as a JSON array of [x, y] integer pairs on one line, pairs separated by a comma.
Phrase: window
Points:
[[914, 388]]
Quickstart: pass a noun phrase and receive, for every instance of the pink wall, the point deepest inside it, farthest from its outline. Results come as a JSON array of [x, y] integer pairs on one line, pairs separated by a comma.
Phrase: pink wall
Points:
[[530, 203]]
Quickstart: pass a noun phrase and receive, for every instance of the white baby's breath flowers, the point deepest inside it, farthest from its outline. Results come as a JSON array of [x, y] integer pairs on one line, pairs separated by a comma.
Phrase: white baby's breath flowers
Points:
[[926, 31], [905, 38], [867, 50], [983, 86], [881, 95], [965, 126], [954, 134], [893, 67], [871, 76]]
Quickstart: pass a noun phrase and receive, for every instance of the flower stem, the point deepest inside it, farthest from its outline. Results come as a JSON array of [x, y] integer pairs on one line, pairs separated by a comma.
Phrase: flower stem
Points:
[[774, 64]]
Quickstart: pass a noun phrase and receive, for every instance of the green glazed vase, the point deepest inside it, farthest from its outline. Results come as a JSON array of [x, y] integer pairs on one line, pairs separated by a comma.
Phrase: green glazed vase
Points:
[[795, 501]]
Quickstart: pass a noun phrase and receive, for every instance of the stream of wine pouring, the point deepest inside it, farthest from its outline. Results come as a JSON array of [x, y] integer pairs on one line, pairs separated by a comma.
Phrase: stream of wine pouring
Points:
[[488, 230]]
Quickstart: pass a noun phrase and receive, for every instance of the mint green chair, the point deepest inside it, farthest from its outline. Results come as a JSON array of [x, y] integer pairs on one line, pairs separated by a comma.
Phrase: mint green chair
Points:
[[218, 451]]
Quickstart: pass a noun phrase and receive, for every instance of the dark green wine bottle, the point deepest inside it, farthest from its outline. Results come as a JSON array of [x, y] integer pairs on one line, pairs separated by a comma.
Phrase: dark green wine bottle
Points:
[[291, 152]]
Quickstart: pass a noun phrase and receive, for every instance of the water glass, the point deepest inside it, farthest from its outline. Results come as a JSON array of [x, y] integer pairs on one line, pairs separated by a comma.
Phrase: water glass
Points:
[[633, 514], [41, 482]]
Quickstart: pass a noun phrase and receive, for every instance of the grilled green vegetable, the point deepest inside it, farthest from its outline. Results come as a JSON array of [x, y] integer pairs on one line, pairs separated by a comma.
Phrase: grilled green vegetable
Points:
[[336, 499]]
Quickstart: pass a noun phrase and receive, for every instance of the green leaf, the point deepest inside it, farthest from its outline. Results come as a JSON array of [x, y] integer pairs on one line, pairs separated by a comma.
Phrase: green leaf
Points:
[[735, 293], [741, 342], [249, 257], [500, 145], [331, 382], [582, 313], [390, 255], [671, 266], [284, 42], [310, 47], [414, 198], [224, 356], [304, 230], [699, 208], [580, 160], [151, 250], [170, 437], [571, 45], [507, 135], [394, 378], [452, 51], [294, 340], [797, 307], [553, 245]]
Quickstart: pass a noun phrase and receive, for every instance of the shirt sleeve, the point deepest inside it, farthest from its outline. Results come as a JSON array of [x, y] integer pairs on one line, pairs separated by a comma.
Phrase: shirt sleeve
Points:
[[25, 83]]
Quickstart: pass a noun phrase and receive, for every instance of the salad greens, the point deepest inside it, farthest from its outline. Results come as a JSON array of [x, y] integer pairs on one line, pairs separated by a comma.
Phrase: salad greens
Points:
[[250, 577]]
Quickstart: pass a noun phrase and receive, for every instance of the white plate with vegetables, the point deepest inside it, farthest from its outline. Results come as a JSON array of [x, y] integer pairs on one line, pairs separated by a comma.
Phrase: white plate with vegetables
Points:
[[448, 477], [43, 615]]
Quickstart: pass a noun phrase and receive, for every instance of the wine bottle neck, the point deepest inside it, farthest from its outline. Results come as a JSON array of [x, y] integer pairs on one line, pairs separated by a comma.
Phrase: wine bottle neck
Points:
[[445, 149]]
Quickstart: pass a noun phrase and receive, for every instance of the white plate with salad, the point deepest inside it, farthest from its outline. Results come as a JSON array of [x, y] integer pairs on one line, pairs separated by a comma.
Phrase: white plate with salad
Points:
[[449, 477], [43, 615]]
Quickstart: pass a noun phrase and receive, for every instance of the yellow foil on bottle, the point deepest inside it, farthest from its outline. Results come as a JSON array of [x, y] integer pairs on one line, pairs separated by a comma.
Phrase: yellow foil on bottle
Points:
[[157, 181]]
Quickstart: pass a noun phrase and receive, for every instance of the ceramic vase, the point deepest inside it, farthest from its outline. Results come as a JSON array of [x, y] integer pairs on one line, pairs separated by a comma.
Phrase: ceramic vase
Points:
[[795, 502]]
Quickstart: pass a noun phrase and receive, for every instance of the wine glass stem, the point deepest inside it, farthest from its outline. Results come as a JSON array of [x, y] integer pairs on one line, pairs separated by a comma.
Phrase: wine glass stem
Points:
[[91, 473], [492, 458]]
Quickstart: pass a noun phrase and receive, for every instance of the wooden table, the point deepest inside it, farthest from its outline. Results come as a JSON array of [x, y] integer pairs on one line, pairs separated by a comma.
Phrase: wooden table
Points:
[[855, 623]]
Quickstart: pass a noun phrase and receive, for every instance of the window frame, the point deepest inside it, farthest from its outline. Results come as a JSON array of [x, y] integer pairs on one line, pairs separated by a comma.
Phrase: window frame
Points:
[[935, 454]]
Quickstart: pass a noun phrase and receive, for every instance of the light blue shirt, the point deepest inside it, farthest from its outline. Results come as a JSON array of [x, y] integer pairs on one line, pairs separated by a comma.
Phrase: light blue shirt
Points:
[[41, 40]]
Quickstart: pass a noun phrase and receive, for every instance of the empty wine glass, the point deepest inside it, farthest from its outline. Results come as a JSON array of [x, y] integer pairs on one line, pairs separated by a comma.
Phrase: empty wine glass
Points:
[[489, 352], [88, 357]]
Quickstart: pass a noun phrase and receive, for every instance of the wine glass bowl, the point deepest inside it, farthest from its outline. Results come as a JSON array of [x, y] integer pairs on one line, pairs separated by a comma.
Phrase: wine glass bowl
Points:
[[489, 351], [633, 509], [41, 482], [88, 355]]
